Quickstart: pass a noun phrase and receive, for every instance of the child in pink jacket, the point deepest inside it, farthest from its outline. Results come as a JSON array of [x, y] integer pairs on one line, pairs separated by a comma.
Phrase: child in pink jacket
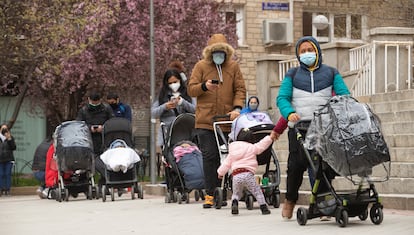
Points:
[[243, 163]]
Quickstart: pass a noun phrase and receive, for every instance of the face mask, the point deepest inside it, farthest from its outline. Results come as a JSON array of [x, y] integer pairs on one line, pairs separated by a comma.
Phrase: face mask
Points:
[[219, 57], [174, 86], [253, 106], [114, 106], [93, 106], [308, 58]]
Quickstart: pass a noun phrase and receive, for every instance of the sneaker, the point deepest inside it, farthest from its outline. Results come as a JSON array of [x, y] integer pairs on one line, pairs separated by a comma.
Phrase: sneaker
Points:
[[7, 192], [44, 193], [287, 211], [264, 209], [39, 192], [208, 201], [234, 207]]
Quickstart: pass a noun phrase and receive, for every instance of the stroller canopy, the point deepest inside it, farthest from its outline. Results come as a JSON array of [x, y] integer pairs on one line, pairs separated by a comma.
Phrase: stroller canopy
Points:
[[250, 120], [348, 137], [117, 128], [73, 134]]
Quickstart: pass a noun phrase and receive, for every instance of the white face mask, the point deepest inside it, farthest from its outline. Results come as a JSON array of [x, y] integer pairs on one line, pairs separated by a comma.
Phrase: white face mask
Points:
[[219, 57], [174, 86]]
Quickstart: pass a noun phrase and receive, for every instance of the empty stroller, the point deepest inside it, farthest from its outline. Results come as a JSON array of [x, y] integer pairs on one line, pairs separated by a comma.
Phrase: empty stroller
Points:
[[260, 125], [183, 161], [120, 159], [344, 138], [75, 160]]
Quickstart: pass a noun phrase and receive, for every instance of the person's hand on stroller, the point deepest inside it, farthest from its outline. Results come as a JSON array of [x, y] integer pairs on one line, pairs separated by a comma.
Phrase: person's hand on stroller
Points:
[[274, 135], [233, 114], [293, 117]]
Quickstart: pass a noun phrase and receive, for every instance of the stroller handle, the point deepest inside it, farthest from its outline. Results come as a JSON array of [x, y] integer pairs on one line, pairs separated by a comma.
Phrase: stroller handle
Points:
[[217, 117]]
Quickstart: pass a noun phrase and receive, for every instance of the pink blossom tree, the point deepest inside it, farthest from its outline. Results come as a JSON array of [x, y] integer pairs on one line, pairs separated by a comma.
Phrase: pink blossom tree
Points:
[[70, 46]]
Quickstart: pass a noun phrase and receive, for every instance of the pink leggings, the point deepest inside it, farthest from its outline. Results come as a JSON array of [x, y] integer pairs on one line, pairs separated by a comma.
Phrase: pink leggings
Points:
[[247, 181]]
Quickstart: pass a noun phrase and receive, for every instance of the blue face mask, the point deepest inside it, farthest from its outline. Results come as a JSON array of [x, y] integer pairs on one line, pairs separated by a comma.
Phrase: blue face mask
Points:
[[219, 57], [308, 58]]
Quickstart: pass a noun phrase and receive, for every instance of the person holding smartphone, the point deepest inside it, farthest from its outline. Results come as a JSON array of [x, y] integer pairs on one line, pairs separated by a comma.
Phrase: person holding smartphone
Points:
[[95, 113], [172, 100], [7, 146], [217, 83]]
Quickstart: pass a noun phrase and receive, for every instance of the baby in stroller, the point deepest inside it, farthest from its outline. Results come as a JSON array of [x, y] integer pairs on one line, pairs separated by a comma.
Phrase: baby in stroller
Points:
[[242, 160]]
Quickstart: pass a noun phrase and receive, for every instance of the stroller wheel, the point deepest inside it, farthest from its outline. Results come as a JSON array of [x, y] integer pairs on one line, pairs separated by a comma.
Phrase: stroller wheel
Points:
[[103, 193], [376, 214], [364, 215], [342, 217], [179, 198], [276, 200], [66, 194], [168, 198], [197, 195], [187, 197], [112, 194], [302, 216], [249, 202]]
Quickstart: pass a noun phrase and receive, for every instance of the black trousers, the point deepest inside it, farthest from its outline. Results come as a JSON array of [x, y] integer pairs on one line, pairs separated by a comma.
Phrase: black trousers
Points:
[[211, 159], [297, 165]]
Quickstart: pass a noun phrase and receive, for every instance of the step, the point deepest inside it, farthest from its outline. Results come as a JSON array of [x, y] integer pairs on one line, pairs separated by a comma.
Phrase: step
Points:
[[392, 106], [402, 127], [399, 140], [392, 96], [397, 116]]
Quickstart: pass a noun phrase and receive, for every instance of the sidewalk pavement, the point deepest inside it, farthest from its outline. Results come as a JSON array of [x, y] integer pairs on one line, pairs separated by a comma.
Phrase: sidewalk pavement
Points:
[[28, 214]]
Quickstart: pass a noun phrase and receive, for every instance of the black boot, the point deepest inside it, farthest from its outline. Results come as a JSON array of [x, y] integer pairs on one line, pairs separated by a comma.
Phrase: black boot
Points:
[[264, 209], [235, 207]]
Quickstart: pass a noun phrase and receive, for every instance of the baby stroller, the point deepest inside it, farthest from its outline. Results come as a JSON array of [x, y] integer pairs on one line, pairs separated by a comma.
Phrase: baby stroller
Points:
[[344, 138], [121, 163], [75, 160], [260, 125], [184, 172]]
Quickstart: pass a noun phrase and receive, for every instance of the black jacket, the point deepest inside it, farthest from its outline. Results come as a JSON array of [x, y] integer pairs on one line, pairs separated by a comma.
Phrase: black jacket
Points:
[[96, 116], [39, 158], [6, 150]]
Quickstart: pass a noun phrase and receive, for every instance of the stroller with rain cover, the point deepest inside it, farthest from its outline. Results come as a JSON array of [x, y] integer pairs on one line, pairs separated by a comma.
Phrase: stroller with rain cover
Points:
[[184, 173], [121, 163], [260, 125], [75, 160], [344, 138]]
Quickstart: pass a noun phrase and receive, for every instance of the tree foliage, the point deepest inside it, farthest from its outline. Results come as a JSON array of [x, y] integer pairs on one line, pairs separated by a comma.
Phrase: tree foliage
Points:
[[61, 48]]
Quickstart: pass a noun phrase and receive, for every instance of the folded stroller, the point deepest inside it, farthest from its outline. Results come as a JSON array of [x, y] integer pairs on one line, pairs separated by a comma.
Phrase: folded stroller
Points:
[[260, 125], [344, 138], [120, 159], [75, 160], [183, 161]]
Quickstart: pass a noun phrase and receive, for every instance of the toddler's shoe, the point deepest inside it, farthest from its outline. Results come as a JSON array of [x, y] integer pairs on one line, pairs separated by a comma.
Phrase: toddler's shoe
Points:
[[234, 207], [264, 209]]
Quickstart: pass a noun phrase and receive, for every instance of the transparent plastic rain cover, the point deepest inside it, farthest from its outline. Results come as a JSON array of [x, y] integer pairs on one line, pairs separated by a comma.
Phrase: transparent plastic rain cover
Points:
[[347, 135]]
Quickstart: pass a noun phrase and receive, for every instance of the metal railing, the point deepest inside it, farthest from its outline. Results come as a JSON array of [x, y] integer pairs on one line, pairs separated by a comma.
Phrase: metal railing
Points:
[[285, 65], [364, 59]]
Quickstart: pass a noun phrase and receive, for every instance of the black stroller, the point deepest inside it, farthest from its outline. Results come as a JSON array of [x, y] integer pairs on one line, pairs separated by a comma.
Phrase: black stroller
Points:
[[344, 138], [260, 125], [119, 130], [186, 174], [75, 160]]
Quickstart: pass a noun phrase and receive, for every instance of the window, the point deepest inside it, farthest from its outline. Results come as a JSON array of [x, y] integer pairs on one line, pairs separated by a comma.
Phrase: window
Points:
[[236, 12], [345, 27]]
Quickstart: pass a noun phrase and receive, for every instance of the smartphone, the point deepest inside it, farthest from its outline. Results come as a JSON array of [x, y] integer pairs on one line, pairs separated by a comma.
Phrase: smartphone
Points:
[[215, 81], [173, 99]]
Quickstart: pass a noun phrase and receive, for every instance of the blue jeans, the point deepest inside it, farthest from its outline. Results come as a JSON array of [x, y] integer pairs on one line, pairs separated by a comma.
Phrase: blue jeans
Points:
[[40, 175], [5, 175]]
